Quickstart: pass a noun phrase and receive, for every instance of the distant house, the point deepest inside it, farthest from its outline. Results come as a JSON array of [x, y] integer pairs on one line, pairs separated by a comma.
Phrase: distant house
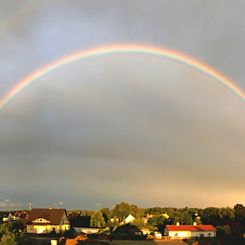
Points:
[[157, 235], [145, 231], [189, 231], [21, 215], [87, 230], [8, 218], [46, 220], [114, 219], [130, 219]]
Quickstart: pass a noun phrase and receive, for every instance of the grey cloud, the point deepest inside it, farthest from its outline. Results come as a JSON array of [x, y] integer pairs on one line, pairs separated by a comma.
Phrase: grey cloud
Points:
[[107, 127]]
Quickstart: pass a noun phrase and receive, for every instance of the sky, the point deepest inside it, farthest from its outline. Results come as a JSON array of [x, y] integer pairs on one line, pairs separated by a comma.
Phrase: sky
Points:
[[131, 127]]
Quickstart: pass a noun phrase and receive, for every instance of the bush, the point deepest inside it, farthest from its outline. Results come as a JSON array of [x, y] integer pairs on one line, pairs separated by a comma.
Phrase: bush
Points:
[[8, 239], [127, 236], [70, 233]]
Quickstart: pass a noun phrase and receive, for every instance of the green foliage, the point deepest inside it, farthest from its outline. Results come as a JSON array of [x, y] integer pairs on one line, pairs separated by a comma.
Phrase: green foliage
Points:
[[123, 209], [134, 210], [239, 211], [17, 226], [70, 233], [217, 216], [7, 235], [229, 221], [97, 220], [211, 216], [8, 239], [138, 222], [128, 232], [106, 214], [226, 215], [224, 230], [157, 220], [113, 224], [6, 227], [183, 217], [155, 211]]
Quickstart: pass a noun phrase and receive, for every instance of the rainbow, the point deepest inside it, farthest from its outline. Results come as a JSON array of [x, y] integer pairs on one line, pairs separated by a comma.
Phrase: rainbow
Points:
[[122, 48]]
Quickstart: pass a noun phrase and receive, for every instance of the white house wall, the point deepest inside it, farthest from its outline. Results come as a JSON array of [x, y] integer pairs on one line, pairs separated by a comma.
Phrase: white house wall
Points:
[[180, 234], [203, 233]]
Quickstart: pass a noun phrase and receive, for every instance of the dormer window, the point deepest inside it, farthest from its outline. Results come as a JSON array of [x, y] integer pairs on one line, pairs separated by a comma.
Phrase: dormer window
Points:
[[41, 220]]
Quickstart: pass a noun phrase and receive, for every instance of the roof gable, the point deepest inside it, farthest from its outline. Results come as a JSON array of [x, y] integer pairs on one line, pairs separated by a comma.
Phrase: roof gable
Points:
[[40, 220]]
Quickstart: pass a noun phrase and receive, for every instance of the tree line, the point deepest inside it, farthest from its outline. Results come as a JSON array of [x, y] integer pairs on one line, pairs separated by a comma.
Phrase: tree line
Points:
[[229, 220]]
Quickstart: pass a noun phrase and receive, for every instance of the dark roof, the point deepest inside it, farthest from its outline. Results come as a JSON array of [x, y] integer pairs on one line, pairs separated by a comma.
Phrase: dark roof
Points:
[[54, 215], [190, 228]]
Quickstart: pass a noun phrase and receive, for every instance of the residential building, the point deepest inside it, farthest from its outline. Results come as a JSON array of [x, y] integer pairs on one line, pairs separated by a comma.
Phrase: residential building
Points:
[[190, 231], [130, 218], [46, 220], [145, 231]]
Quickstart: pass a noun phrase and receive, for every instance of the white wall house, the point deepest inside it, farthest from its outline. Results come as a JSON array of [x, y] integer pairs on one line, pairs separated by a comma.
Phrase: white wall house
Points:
[[129, 219], [46, 220], [87, 230], [190, 231]]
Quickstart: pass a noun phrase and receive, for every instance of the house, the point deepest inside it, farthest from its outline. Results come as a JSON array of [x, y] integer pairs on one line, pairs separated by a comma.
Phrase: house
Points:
[[21, 215], [189, 231], [87, 230], [8, 218], [145, 231], [46, 220], [115, 219], [129, 219], [157, 235], [147, 217]]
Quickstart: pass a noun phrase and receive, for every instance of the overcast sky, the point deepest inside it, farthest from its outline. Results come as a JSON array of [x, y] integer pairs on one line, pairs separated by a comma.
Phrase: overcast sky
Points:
[[122, 127]]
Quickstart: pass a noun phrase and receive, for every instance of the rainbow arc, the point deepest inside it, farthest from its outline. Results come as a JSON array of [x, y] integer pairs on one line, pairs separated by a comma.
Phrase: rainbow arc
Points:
[[122, 48]]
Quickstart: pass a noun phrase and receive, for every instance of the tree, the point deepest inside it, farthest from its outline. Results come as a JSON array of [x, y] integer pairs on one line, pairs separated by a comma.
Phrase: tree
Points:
[[121, 211], [113, 224], [97, 220], [157, 220], [8, 239], [155, 211], [186, 218], [211, 216], [183, 217], [239, 211], [5, 228], [70, 233], [226, 215], [134, 210], [138, 222], [7, 235], [106, 214]]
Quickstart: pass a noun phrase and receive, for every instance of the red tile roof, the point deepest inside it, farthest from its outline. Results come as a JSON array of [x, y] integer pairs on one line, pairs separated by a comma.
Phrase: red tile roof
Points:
[[190, 228]]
